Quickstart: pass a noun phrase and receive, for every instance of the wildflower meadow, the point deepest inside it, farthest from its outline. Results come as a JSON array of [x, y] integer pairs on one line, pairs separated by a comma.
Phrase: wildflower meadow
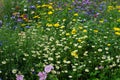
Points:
[[59, 39]]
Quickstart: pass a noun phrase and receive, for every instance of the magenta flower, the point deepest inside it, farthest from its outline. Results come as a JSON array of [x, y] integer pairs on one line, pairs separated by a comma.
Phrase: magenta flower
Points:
[[19, 77], [42, 75], [48, 68]]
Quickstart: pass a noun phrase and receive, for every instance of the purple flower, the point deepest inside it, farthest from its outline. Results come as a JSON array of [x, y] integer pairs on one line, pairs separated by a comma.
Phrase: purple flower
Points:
[[13, 17], [27, 26], [32, 7], [42, 75], [100, 67], [85, 2], [48, 68], [19, 20], [19, 77]]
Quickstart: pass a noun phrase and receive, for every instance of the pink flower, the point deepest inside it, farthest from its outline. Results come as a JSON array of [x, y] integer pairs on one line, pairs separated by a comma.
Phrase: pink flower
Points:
[[48, 68], [42, 75], [19, 77]]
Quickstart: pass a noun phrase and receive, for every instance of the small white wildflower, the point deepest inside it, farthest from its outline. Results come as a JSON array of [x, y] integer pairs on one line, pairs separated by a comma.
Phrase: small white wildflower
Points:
[[86, 70], [26, 54], [66, 47], [118, 61], [32, 12], [79, 46], [99, 50], [58, 56], [53, 71], [0, 71], [107, 52], [95, 52], [93, 46], [76, 64], [50, 58], [57, 67], [64, 61], [85, 53], [106, 48], [73, 66], [114, 64], [14, 71], [89, 61], [24, 59], [46, 55], [96, 68], [58, 62], [118, 65], [34, 55], [101, 61], [75, 45], [103, 57], [105, 37], [32, 51], [3, 62], [68, 62], [45, 60], [74, 69], [25, 10], [70, 76], [58, 72], [66, 71], [85, 26]]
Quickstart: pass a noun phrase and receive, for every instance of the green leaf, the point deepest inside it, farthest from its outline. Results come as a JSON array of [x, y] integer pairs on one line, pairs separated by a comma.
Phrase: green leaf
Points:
[[53, 77]]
